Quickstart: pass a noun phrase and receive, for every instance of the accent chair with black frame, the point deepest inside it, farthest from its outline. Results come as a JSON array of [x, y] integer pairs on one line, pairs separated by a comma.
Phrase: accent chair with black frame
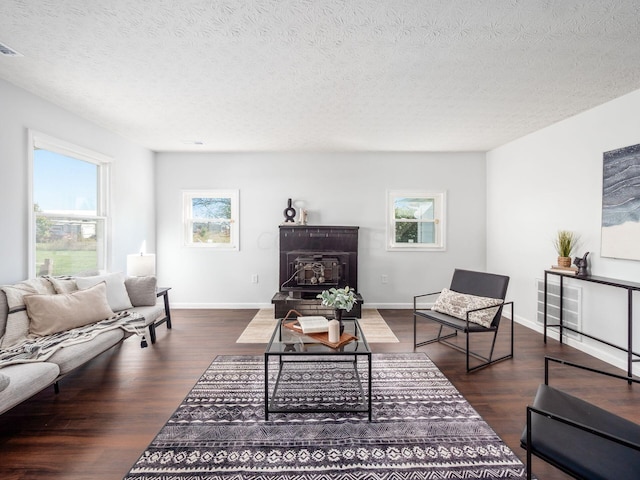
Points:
[[577, 437], [472, 305]]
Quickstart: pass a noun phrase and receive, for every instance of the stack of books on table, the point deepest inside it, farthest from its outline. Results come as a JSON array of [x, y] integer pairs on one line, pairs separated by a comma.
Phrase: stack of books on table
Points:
[[564, 270]]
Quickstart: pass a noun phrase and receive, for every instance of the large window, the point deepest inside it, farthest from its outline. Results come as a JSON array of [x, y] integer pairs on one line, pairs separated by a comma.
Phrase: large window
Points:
[[69, 208], [415, 221], [211, 219]]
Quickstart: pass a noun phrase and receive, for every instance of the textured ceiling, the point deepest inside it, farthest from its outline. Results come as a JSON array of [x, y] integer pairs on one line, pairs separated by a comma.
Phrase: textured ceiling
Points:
[[323, 75]]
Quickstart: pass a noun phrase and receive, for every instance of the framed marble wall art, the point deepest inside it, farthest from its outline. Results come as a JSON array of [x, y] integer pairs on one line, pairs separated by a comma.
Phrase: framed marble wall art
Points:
[[621, 203]]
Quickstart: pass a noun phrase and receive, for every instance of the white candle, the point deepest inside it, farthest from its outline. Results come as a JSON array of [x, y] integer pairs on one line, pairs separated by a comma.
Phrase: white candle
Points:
[[334, 331]]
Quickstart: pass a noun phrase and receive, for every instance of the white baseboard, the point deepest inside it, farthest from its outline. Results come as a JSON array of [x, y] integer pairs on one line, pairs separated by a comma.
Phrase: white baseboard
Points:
[[240, 306], [220, 306], [398, 306], [591, 349]]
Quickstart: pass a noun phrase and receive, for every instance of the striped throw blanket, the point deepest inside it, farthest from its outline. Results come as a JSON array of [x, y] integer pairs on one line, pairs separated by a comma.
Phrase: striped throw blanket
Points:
[[39, 349]]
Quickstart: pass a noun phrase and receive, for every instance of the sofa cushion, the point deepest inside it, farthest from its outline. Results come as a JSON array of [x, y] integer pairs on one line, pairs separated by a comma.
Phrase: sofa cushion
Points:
[[17, 326], [56, 313], [26, 380], [63, 284], [40, 285], [142, 290], [458, 304], [4, 312], [72, 356], [150, 313], [4, 381], [117, 295]]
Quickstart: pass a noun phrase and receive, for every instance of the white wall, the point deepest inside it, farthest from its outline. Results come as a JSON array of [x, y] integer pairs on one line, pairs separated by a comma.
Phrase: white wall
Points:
[[132, 176], [552, 180], [336, 189]]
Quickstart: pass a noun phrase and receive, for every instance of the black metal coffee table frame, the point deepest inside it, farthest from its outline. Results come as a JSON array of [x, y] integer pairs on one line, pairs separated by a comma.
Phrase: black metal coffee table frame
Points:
[[290, 347]]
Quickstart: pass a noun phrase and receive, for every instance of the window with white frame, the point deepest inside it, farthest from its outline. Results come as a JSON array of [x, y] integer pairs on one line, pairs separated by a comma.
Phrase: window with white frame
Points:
[[211, 219], [416, 221], [69, 207]]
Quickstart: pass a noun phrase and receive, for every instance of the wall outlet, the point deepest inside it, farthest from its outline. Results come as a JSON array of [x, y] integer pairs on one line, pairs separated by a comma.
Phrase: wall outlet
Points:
[[384, 279], [254, 278]]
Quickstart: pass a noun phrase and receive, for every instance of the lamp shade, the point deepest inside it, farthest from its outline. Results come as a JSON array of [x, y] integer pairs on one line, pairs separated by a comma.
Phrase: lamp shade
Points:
[[141, 264]]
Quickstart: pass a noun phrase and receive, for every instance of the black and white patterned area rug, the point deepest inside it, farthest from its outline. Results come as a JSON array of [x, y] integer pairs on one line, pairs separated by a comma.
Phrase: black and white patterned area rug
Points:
[[422, 428]]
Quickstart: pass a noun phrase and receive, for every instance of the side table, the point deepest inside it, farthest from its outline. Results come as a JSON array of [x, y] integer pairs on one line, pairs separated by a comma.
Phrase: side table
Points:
[[161, 292]]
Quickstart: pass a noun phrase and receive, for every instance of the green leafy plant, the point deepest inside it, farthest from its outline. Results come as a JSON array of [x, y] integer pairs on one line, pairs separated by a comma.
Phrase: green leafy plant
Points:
[[342, 298], [565, 243]]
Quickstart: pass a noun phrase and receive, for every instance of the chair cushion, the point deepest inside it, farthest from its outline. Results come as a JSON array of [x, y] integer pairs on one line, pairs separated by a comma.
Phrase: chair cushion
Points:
[[482, 284], [452, 322], [584, 454], [458, 304], [72, 356]]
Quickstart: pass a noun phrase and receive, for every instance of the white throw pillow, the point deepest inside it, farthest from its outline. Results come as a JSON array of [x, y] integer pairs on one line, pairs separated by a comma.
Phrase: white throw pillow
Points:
[[458, 304], [117, 295]]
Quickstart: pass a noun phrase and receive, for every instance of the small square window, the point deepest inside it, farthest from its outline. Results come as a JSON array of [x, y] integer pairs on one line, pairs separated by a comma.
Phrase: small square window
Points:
[[211, 219], [415, 221]]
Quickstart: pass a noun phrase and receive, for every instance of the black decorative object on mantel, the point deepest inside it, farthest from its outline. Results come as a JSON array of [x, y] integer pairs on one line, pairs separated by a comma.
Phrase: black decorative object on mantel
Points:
[[289, 212], [582, 265]]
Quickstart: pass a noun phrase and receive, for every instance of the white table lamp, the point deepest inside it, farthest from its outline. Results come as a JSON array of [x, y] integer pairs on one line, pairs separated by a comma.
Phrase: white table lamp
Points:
[[141, 264]]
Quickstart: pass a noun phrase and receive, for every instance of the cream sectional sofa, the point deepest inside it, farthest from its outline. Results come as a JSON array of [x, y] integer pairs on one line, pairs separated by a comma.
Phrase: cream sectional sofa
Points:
[[37, 313]]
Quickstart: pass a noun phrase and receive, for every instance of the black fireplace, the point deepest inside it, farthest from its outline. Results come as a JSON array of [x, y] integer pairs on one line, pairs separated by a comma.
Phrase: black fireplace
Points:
[[313, 259]]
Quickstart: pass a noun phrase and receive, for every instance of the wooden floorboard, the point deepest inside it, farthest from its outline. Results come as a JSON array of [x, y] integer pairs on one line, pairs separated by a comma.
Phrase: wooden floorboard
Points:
[[109, 411]]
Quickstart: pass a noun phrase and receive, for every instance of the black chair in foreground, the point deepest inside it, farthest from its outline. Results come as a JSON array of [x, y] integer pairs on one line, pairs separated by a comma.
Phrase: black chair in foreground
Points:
[[578, 437], [472, 304]]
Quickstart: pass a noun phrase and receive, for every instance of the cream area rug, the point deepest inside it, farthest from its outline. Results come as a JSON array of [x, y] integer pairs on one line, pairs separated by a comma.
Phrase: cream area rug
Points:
[[373, 325]]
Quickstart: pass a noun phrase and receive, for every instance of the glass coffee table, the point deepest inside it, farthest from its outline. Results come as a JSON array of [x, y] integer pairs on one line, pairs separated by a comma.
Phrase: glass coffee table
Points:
[[337, 379]]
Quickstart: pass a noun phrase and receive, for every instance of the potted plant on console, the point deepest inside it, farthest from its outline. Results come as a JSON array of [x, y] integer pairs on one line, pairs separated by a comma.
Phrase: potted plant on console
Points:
[[565, 242], [341, 299]]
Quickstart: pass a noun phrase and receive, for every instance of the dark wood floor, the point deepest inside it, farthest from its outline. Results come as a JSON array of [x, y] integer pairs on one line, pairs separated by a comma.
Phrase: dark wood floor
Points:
[[108, 411]]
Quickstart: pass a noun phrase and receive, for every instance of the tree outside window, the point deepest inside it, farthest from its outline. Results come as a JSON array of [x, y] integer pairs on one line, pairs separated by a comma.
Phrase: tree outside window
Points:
[[211, 219], [415, 221], [69, 208]]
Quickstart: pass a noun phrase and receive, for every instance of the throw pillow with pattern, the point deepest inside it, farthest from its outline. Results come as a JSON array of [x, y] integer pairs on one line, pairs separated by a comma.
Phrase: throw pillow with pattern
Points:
[[458, 304]]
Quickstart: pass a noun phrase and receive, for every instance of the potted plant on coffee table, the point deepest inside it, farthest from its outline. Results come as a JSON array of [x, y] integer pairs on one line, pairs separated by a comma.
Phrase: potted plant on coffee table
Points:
[[341, 299], [565, 242]]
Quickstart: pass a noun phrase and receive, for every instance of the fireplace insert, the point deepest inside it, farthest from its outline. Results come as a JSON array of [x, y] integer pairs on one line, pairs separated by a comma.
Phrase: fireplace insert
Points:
[[313, 259]]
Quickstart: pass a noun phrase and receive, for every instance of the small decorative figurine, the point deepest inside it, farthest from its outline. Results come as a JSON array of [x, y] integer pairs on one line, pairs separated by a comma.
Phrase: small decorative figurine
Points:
[[303, 217], [289, 212], [582, 265]]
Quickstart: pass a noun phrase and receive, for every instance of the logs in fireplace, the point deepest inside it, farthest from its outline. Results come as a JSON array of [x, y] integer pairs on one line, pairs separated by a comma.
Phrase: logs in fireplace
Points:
[[313, 259]]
